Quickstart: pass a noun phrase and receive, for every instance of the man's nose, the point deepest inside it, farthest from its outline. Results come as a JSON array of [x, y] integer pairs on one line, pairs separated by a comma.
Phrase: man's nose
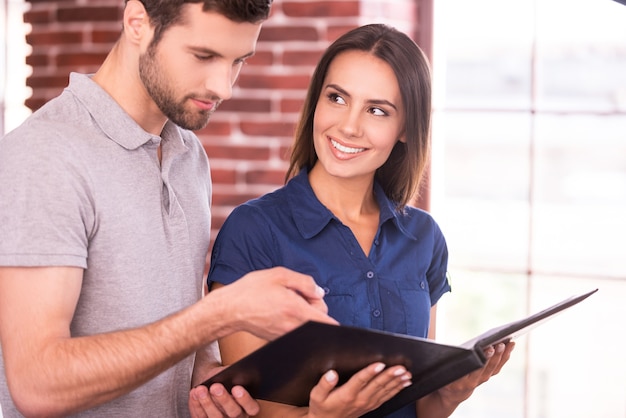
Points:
[[220, 82]]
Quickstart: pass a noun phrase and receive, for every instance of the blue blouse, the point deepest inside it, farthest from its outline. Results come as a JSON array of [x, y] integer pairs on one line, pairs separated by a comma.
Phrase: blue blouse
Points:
[[390, 289]]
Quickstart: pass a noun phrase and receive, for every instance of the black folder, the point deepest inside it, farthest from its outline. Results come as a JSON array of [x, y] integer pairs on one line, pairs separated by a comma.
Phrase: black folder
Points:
[[286, 369]]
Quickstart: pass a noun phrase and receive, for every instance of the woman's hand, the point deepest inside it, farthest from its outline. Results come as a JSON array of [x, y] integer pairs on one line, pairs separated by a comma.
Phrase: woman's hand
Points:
[[366, 390], [443, 402]]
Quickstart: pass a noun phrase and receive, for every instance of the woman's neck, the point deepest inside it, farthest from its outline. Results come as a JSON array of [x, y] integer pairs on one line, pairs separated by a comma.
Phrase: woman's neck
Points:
[[347, 198]]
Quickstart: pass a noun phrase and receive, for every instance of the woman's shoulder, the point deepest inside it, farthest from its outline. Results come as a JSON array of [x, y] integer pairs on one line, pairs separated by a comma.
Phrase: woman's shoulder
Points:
[[269, 205], [414, 218]]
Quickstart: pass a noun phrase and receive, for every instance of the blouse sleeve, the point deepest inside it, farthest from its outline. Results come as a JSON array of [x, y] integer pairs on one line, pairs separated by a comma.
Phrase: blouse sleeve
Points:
[[438, 272], [244, 244]]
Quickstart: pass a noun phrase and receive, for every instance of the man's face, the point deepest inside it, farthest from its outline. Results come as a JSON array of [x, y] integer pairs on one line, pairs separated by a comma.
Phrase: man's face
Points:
[[195, 64]]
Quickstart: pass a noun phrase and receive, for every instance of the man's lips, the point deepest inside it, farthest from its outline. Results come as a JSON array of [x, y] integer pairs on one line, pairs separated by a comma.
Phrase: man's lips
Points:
[[205, 104]]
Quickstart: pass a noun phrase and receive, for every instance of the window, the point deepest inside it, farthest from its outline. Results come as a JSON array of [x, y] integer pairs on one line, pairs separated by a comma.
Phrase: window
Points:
[[529, 187], [13, 68]]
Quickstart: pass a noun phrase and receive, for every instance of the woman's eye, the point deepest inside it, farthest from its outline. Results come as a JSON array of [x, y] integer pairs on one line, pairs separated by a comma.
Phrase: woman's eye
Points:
[[377, 111], [335, 98]]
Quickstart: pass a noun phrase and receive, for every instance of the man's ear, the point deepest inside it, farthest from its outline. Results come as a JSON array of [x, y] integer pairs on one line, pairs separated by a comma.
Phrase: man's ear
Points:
[[136, 22]]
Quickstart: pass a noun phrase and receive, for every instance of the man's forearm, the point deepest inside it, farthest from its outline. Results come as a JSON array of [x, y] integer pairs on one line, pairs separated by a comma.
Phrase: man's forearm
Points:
[[75, 374]]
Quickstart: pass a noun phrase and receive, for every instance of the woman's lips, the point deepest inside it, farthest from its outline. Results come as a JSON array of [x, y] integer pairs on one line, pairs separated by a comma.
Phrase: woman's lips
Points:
[[345, 149]]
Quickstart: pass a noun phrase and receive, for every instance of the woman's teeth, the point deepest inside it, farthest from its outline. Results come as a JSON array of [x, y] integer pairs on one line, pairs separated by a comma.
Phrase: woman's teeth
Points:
[[344, 149]]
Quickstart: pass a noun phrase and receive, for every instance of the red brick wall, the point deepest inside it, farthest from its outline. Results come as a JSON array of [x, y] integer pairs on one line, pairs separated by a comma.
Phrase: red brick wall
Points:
[[248, 138]]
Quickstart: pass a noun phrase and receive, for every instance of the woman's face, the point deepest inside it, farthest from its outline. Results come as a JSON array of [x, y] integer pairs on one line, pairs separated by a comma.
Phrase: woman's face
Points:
[[359, 115]]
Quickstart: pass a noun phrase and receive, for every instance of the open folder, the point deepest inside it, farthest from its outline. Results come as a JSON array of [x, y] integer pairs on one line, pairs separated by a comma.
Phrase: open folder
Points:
[[286, 369]]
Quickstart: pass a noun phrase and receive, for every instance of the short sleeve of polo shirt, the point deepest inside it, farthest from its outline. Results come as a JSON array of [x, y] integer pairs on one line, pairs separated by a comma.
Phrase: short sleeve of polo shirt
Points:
[[44, 208]]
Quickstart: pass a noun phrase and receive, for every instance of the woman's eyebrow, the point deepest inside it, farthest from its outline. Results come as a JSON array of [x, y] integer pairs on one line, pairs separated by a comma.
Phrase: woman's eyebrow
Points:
[[371, 101]]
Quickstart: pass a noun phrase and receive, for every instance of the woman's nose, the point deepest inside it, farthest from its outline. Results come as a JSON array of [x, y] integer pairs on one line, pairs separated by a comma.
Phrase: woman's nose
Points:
[[350, 124]]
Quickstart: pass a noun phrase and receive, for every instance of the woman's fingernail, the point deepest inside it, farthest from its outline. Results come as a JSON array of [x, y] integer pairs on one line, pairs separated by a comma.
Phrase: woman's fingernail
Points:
[[400, 371], [320, 292], [379, 367], [330, 376]]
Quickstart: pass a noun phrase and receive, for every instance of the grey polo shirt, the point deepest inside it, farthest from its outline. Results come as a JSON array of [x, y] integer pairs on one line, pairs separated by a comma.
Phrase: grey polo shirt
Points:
[[81, 185]]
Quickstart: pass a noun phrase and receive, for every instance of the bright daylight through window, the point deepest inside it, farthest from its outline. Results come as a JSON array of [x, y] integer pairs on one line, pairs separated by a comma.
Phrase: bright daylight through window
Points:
[[529, 186]]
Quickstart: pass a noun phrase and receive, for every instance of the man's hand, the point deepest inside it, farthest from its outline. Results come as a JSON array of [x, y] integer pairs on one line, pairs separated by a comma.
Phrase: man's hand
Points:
[[218, 403], [268, 303]]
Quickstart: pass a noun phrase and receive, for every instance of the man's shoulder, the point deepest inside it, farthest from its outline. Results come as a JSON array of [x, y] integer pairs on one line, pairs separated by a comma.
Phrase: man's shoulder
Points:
[[59, 114]]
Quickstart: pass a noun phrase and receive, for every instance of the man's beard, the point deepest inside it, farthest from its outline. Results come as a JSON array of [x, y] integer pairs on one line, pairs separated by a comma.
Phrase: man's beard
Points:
[[156, 84]]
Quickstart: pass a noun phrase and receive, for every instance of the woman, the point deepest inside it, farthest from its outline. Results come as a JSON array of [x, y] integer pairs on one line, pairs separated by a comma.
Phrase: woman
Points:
[[344, 218]]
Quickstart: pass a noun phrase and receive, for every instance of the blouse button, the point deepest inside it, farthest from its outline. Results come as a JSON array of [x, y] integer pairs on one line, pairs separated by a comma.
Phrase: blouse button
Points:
[[370, 274], [422, 285], [376, 313], [326, 290]]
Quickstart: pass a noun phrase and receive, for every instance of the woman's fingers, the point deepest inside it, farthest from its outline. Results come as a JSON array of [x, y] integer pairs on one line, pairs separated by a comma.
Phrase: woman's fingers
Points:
[[365, 390]]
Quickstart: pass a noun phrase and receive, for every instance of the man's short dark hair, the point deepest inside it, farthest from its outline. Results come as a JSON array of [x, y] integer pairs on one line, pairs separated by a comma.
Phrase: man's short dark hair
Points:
[[166, 13]]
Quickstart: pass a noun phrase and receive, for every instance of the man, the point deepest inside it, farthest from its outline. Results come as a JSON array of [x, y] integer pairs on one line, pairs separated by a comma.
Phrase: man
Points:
[[104, 226]]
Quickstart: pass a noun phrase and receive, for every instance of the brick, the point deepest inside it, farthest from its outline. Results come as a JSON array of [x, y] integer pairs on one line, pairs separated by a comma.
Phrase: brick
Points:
[[292, 105], [216, 127], [335, 31], [216, 223], [246, 105], [236, 152], [271, 129], [232, 199], [54, 37], [269, 81], [308, 58], [321, 8], [35, 102], [88, 14], [105, 36], [285, 153], [223, 176], [36, 81], [289, 33], [265, 177], [37, 16], [261, 58], [77, 60], [38, 60]]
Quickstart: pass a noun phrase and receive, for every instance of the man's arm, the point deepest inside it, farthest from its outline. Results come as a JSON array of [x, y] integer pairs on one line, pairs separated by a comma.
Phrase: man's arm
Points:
[[51, 373]]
